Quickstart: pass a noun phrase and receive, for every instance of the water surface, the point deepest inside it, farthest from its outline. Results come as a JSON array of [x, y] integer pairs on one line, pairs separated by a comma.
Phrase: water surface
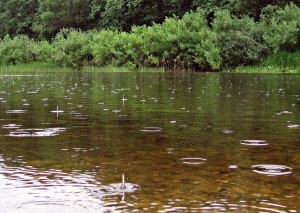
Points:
[[185, 142]]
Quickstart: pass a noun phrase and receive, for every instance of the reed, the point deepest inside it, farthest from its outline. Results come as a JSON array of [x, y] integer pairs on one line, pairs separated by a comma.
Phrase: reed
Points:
[[38, 67], [280, 62], [283, 59], [31, 67]]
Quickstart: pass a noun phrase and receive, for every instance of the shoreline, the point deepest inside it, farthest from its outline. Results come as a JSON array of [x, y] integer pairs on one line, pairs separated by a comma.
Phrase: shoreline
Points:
[[40, 67]]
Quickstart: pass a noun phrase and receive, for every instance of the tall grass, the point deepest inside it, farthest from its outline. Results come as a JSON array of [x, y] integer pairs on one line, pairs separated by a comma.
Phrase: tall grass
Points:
[[32, 67], [283, 59], [280, 62]]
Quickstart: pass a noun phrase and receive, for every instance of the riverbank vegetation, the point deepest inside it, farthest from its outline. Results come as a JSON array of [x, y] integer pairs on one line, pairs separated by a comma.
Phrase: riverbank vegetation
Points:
[[189, 35]]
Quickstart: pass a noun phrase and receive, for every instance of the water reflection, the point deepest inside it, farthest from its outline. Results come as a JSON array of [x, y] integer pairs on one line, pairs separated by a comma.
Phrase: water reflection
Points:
[[186, 142], [29, 189]]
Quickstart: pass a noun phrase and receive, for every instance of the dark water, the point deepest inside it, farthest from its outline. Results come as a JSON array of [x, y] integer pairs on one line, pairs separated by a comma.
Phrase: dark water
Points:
[[185, 142]]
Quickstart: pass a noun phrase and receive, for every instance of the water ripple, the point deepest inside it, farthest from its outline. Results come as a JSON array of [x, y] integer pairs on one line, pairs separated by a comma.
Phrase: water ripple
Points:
[[193, 161], [254, 142], [36, 132], [272, 169], [151, 129]]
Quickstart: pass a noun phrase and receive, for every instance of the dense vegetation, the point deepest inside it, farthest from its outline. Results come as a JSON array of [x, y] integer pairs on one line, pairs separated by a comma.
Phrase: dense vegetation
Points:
[[175, 34]]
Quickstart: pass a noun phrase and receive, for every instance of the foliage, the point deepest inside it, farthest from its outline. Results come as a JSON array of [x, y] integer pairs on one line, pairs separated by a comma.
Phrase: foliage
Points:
[[240, 39], [205, 39], [17, 17], [16, 50], [123, 14], [71, 48], [43, 51], [281, 27], [53, 15], [283, 59], [176, 43], [240, 8]]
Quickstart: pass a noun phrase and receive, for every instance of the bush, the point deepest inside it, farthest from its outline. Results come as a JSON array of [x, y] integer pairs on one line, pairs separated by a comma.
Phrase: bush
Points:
[[283, 59], [180, 43], [240, 39], [16, 50], [102, 47], [71, 48], [281, 27], [43, 51]]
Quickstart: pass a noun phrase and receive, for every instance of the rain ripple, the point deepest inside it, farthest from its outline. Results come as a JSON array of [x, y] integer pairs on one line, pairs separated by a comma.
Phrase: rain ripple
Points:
[[45, 191], [193, 161], [254, 142], [272, 169], [36, 132], [151, 129]]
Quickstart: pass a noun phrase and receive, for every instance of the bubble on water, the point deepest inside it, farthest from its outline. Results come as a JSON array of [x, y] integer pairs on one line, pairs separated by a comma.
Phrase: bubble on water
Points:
[[272, 169], [254, 142], [193, 160]]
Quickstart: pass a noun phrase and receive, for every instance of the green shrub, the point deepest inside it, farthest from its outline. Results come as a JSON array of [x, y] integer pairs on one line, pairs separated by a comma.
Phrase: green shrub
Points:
[[180, 43], [71, 48], [16, 50], [102, 47], [240, 39], [43, 51], [281, 27], [117, 48], [283, 59]]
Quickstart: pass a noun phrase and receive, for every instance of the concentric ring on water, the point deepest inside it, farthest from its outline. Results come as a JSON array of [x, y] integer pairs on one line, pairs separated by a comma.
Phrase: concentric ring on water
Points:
[[151, 129], [36, 132], [254, 142], [272, 169], [193, 161]]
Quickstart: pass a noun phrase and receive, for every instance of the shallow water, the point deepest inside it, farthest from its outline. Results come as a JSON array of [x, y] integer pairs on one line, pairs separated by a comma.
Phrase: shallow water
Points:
[[185, 142]]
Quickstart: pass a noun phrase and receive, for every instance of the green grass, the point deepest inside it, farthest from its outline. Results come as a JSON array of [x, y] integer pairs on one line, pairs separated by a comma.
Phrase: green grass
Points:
[[280, 62], [120, 69], [39, 67], [264, 70], [31, 67]]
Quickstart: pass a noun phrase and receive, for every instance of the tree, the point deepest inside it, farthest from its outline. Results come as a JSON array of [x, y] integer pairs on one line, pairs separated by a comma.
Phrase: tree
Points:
[[241, 7], [17, 17], [123, 14], [54, 15], [281, 27]]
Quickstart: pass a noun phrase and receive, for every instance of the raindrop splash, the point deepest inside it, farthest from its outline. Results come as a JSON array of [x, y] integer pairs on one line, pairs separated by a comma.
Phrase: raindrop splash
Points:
[[254, 142], [151, 129], [272, 169], [193, 161]]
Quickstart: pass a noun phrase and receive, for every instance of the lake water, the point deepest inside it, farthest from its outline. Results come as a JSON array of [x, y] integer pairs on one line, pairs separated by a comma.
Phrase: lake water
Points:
[[184, 142]]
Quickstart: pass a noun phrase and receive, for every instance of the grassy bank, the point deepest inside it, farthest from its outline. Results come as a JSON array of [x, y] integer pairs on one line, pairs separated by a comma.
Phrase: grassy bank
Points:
[[280, 62], [38, 67], [264, 70]]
